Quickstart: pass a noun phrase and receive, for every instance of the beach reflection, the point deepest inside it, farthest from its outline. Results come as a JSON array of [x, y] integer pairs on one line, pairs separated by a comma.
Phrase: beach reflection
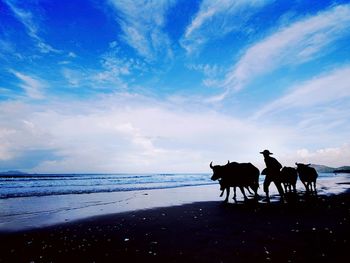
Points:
[[32, 212]]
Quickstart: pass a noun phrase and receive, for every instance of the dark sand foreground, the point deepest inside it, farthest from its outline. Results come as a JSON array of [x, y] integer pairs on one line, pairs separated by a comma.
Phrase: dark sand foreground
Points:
[[315, 230]]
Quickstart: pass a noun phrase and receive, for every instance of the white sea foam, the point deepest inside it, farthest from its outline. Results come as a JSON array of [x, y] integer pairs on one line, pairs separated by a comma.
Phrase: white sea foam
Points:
[[45, 185]]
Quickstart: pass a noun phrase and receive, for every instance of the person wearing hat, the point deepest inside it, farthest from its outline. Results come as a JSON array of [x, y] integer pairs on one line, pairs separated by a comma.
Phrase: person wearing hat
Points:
[[272, 172]]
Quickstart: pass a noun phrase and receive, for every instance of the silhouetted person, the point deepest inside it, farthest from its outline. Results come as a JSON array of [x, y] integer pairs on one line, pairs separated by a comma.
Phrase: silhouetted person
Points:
[[272, 172]]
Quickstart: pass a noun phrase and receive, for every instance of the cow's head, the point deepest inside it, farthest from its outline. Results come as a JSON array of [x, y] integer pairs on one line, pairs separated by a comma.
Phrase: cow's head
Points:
[[302, 165], [218, 171]]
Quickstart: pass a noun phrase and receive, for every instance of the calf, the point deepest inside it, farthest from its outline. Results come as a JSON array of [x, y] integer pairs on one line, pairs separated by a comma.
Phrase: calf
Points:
[[289, 178], [308, 176]]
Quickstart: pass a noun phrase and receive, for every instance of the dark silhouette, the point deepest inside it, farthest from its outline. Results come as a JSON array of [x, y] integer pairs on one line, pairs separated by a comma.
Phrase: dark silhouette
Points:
[[224, 186], [308, 176], [273, 174], [341, 171], [289, 178], [236, 175]]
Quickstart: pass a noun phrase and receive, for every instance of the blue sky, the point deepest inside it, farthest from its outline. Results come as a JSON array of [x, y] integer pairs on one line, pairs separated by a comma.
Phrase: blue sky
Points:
[[168, 86]]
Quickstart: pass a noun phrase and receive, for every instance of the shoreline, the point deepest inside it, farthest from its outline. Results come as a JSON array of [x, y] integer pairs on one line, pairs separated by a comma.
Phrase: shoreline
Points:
[[315, 229], [36, 212]]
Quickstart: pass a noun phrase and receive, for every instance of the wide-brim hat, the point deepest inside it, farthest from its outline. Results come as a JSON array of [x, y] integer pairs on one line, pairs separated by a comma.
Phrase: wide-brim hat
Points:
[[266, 152]]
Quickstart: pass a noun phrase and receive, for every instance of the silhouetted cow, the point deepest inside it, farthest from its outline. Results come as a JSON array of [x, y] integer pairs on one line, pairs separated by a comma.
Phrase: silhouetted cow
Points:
[[289, 178], [307, 175], [236, 175], [225, 186]]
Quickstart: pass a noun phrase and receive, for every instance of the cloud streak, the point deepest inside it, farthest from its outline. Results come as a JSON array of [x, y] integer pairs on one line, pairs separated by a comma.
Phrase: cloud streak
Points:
[[323, 89], [218, 18], [26, 18], [142, 23], [32, 86], [297, 43]]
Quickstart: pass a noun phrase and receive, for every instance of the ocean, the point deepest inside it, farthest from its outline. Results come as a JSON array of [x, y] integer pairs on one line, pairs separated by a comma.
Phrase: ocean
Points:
[[38, 200], [30, 185]]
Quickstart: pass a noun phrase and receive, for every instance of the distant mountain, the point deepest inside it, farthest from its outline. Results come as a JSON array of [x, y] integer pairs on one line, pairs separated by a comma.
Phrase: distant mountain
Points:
[[12, 173], [323, 168], [342, 169], [326, 169]]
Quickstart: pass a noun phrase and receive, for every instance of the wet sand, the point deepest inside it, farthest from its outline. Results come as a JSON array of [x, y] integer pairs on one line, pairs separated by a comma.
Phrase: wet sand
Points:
[[26, 213], [315, 229]]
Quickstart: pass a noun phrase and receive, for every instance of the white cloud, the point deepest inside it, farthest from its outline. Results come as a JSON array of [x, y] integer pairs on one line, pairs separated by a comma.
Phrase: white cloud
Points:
[[113, 44], [17, 133], [5, 152], [217, 18], [8, 51], [72, 54], [74, 77], [297, 43], [32, 86], [110, 74], [332, 156], [64, 62], [130, 133], [316, 112], [329, 87], [26, 18], [207, 69], [142, 23], [211, 73]]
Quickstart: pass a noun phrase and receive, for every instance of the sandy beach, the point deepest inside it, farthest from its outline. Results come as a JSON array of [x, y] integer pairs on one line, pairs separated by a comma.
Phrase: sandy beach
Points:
[[312, 229], [25, 213]]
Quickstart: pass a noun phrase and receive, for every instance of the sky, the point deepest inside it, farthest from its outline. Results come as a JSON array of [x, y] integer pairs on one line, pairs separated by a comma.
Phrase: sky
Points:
[[116, 86]]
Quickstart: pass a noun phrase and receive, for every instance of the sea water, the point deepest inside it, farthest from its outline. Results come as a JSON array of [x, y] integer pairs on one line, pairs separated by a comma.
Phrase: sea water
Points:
[[29, 185], [37, 200]]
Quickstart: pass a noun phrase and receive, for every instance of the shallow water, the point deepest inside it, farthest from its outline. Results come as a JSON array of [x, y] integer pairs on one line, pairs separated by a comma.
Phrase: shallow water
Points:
[[31, 185], [64, 184], [26, 212]]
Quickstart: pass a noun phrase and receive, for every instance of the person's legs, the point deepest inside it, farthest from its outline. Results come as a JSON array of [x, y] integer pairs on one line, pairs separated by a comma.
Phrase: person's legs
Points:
[[267, 183], [279, 188]]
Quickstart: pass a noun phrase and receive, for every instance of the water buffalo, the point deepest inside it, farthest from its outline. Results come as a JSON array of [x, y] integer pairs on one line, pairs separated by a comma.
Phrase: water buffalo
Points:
[[236, 175], [225, 186], [308, 176], [289, 178]]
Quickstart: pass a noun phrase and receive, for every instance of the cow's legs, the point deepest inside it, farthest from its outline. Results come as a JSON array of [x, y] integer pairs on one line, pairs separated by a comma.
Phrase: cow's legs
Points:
[[249, 190], [255, 189], [243, 192], [227, 194], [315, 188], [234, 194], [306, 187], [312, 187], [309, 187]]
